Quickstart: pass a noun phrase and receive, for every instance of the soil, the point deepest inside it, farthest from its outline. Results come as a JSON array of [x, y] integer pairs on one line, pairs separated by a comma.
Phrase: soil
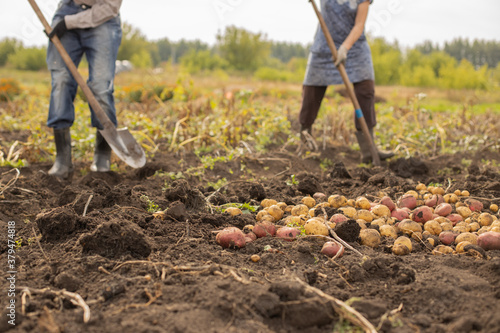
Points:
[[141, 272]]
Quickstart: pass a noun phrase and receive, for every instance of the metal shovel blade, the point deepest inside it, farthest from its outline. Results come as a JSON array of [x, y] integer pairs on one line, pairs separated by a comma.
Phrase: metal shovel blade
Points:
[[125, 146]]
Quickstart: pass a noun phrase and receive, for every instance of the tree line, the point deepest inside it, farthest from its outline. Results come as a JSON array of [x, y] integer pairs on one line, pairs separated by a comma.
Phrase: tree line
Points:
[[457, 64]]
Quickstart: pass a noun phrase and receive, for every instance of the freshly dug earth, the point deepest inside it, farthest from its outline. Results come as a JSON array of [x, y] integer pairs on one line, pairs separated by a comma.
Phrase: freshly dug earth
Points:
[[140, 272]]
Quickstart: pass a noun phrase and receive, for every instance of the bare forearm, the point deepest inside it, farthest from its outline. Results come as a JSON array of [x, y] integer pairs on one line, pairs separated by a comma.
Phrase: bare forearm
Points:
[[359, 25]]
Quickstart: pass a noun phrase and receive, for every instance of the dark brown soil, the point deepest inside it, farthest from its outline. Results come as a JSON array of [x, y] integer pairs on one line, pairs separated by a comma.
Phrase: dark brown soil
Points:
[[141, 273]]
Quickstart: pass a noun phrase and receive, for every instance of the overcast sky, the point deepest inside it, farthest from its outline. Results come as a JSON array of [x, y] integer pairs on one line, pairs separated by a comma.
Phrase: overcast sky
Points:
[[409, 22]]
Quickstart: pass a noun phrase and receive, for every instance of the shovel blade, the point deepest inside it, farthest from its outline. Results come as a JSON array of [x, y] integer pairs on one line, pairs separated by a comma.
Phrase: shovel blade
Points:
[[125, 146]]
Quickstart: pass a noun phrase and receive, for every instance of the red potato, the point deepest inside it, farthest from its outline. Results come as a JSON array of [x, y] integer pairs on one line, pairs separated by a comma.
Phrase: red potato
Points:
[[447, 237], [489, 240], [443, 209], [339, 218], [263, 229], [250, 237], [408, 201], [474, 205], [400, 214], [288, 233], [432, 201], [387, 201], [455, 218], [422, 214], [319, 196], [231, 237], [332, 248]]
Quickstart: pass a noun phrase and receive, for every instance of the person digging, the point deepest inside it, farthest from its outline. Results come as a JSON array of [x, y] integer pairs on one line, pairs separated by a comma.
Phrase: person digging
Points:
[[345, 21]]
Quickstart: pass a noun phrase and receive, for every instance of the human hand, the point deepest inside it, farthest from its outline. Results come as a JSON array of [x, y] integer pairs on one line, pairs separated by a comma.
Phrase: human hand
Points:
[[59, 30], [341, 55]]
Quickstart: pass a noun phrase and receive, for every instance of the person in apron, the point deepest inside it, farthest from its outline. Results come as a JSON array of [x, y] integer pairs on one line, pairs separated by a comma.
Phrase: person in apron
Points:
[[93, 28], [345, 20]]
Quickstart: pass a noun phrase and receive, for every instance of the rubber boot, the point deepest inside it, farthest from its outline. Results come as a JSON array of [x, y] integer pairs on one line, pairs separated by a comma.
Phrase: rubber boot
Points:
[[102, 154], [364, 145], [63, 166]]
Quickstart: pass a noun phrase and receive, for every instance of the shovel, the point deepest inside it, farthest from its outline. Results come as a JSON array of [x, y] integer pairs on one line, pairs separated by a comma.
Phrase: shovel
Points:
[[120, 140], [350, 89]]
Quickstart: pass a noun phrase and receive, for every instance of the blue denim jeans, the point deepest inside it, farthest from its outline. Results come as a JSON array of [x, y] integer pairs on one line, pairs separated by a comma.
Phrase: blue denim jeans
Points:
[[100, 46]]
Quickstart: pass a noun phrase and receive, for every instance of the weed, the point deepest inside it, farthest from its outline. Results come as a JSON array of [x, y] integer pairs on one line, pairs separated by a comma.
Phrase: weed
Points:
[[221, 182], [151, 206], [292, 181]]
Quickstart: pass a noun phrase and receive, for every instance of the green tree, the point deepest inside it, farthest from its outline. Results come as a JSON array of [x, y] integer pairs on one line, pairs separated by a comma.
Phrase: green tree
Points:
[[244, 51], [8, 46], [134, 42], [31, 58], [200, 60], [387, 59]]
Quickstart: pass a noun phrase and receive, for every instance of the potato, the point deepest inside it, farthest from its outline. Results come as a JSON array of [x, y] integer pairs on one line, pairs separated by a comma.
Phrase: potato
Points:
[[300, 209], [381, 210], [457, 192], [494, 208], [316, 226], [447, 237], [370, 237], [422, 214], [308, 201], [351, 202], [400, 249], [275, 212], [474, 205], [465, 212], [282, 205], [312, 212], [268, 202], [288, 233], [446, 226], [378, 222], [408, 226], [405, 241], [362, 224], [455, 218], [264, 229], [489, 240], [262, 214], [319, 196], [421, 187], [408, 201], [331, 249], [350, 212], [417, 236], [338, 218], [460, 246], [432, 201], [466, 236], [442, 249], [364, 214], [474, 226], [294, 220], [438, 190], [362, 203], [250, 237], [337, 201], [400, 214], [388, 231], [485, 219], [387, 201], [231, 237], [450, 198], [433, 227], [460, 228], [443, 209]]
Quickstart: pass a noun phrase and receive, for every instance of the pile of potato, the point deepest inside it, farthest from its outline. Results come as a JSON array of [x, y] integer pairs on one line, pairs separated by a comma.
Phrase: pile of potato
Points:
[[445, 222]]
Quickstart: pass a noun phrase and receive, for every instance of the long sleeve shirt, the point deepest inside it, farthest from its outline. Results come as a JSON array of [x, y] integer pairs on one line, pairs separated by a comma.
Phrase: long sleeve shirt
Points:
[[101, 11]]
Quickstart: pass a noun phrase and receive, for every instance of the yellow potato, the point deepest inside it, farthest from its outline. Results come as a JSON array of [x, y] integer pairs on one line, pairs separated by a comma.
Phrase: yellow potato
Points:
[[460, 229], [482, 230], [379, 222], [417, 236], [268, 202], [433, 227], [370, 237], [408, 226], [474, 226], [442, 249], [388, 231], [457, 192], [400, 250], [450, 198], [494, 208], [350, 212], [365, 215], [431, 241], [300, 209], [282, 205], [464, 211], [309, 202], [361, 223], [275, 212], [233, 211], [414, 193], [405, 241], [316, 226], [485, 219], [362, 203], [465, 193], [311, 212], [466, 236], [421, 187], [260, 215], [446, 226], [337, 201], [351, 202], [381, 210], [461, 245]]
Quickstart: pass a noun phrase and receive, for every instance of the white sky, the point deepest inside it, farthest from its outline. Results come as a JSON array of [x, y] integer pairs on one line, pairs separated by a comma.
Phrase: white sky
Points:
[[408, 21]]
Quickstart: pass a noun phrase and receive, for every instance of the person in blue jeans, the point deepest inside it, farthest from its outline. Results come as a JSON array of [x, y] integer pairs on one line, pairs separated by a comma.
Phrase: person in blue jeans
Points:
[[91, 28]]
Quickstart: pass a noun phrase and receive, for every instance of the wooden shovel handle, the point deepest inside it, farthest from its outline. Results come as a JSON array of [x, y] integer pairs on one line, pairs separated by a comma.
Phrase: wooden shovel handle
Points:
[[349, 87], [96, 107]]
